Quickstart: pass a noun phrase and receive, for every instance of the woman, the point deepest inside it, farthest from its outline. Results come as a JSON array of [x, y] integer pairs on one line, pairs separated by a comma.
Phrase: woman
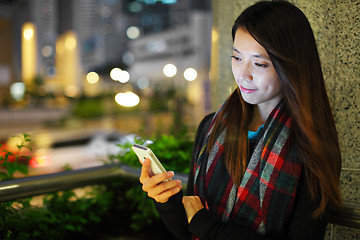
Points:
[[267, 164]]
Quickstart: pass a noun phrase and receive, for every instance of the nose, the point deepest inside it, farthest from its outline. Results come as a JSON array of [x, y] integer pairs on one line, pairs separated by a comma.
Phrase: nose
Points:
[[243, 71]]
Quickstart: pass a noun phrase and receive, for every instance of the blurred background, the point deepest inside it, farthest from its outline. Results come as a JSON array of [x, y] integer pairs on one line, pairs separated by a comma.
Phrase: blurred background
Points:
[[81, 75]]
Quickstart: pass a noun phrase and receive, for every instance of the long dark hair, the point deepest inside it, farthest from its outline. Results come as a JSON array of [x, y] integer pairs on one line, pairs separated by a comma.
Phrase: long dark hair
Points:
[[285, 33]]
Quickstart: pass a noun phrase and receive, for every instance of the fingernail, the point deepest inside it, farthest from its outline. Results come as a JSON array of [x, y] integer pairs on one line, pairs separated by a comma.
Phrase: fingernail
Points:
[[171, 173], [179, 182]]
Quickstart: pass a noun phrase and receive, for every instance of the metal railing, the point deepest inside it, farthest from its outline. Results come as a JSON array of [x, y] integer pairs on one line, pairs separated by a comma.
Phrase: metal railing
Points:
[[348, 215]]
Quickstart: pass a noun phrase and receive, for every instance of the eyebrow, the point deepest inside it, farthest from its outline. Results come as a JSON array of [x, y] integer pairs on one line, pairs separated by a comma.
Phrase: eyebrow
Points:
[[255, 55]]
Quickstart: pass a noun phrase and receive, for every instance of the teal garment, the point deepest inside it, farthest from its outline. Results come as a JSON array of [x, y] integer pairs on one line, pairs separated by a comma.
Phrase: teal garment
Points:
[[254, 135]]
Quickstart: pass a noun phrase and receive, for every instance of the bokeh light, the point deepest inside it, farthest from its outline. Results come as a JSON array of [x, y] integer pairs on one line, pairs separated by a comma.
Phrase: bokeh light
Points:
[[28, 32], [17, 90], [47, 51], [29, 53], [124, 76], [135, 7], [143, 83], [214, 35], [190, 74], [169, 70], [127, 99], [117, 74], [70, 41], [133, 32], [92, 77], [72, 91]]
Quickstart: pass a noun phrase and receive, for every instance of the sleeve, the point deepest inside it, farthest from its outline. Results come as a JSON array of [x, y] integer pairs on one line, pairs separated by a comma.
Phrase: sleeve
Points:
[[205, 225], [173, 212], [302, 216], [173, 215]]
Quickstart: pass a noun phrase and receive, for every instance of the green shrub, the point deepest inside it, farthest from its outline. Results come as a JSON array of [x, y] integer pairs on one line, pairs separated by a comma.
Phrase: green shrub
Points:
[[117, 208], [174, 152], [63, 215], [88, 108], [10, 162]]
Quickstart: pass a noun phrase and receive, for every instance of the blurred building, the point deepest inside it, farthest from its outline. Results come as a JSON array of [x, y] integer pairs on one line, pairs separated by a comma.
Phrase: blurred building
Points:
[[50, 44], [180, 36]]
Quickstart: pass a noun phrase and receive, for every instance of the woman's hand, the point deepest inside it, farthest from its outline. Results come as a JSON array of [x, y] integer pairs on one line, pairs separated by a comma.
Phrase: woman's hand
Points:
[[156, 186], [192, 205]]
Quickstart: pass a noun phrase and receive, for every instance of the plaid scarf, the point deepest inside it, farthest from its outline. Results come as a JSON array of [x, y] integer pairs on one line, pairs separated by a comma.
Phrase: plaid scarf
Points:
[[265, 197]]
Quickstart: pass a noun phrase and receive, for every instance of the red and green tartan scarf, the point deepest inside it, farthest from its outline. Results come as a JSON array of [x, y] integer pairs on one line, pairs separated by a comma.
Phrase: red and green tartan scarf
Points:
[[265, 197]]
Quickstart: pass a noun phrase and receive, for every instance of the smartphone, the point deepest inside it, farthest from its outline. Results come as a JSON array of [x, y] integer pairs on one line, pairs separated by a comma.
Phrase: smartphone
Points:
[[144, 152]]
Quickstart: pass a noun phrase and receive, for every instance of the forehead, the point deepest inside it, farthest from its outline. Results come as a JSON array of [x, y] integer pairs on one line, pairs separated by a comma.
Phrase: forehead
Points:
[[245, 43]]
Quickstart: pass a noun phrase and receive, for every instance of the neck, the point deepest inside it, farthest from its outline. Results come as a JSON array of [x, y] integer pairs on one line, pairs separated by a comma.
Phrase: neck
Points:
[[261, 113], [257, 120]]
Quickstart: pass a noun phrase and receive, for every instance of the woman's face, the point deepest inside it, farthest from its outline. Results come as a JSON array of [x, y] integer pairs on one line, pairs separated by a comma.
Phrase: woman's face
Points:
[[254, 72]]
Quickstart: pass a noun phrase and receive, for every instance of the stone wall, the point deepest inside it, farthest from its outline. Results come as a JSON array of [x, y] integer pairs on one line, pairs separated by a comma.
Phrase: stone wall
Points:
[[336, 27]]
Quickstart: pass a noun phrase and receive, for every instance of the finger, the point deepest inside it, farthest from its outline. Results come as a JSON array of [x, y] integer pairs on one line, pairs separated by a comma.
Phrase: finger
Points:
[[156, 180], [145, 173], [164, 196], [159, 178], [163, 187]]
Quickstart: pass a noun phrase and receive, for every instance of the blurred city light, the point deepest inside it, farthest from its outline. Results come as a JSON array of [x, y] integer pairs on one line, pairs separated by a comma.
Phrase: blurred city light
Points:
[[143, 83], [28, 53], [117, 74], [41, 158], [135, 7], [155, 1], [92, 78], [124, 77], [169, 70], [70, 41], [47, 51], [67, 61], [14, 141], [128, 58], [214, 35], [127, 99], [190, 74], [17, 90], [133, 32], [150, 1], [169, 1], [71, 91], [28, 31]]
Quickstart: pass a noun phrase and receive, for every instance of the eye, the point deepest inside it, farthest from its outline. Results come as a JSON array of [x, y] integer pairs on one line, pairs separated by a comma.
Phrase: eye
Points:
[[261, 65], [235, 58]]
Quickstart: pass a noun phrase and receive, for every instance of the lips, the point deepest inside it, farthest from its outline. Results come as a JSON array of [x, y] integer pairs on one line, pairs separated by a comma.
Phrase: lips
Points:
[[247, 90]]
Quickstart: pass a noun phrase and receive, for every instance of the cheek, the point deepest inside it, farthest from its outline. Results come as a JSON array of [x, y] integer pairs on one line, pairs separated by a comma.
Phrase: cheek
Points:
[[274, 85], [233, 68], [236, 75], [235, 72]]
